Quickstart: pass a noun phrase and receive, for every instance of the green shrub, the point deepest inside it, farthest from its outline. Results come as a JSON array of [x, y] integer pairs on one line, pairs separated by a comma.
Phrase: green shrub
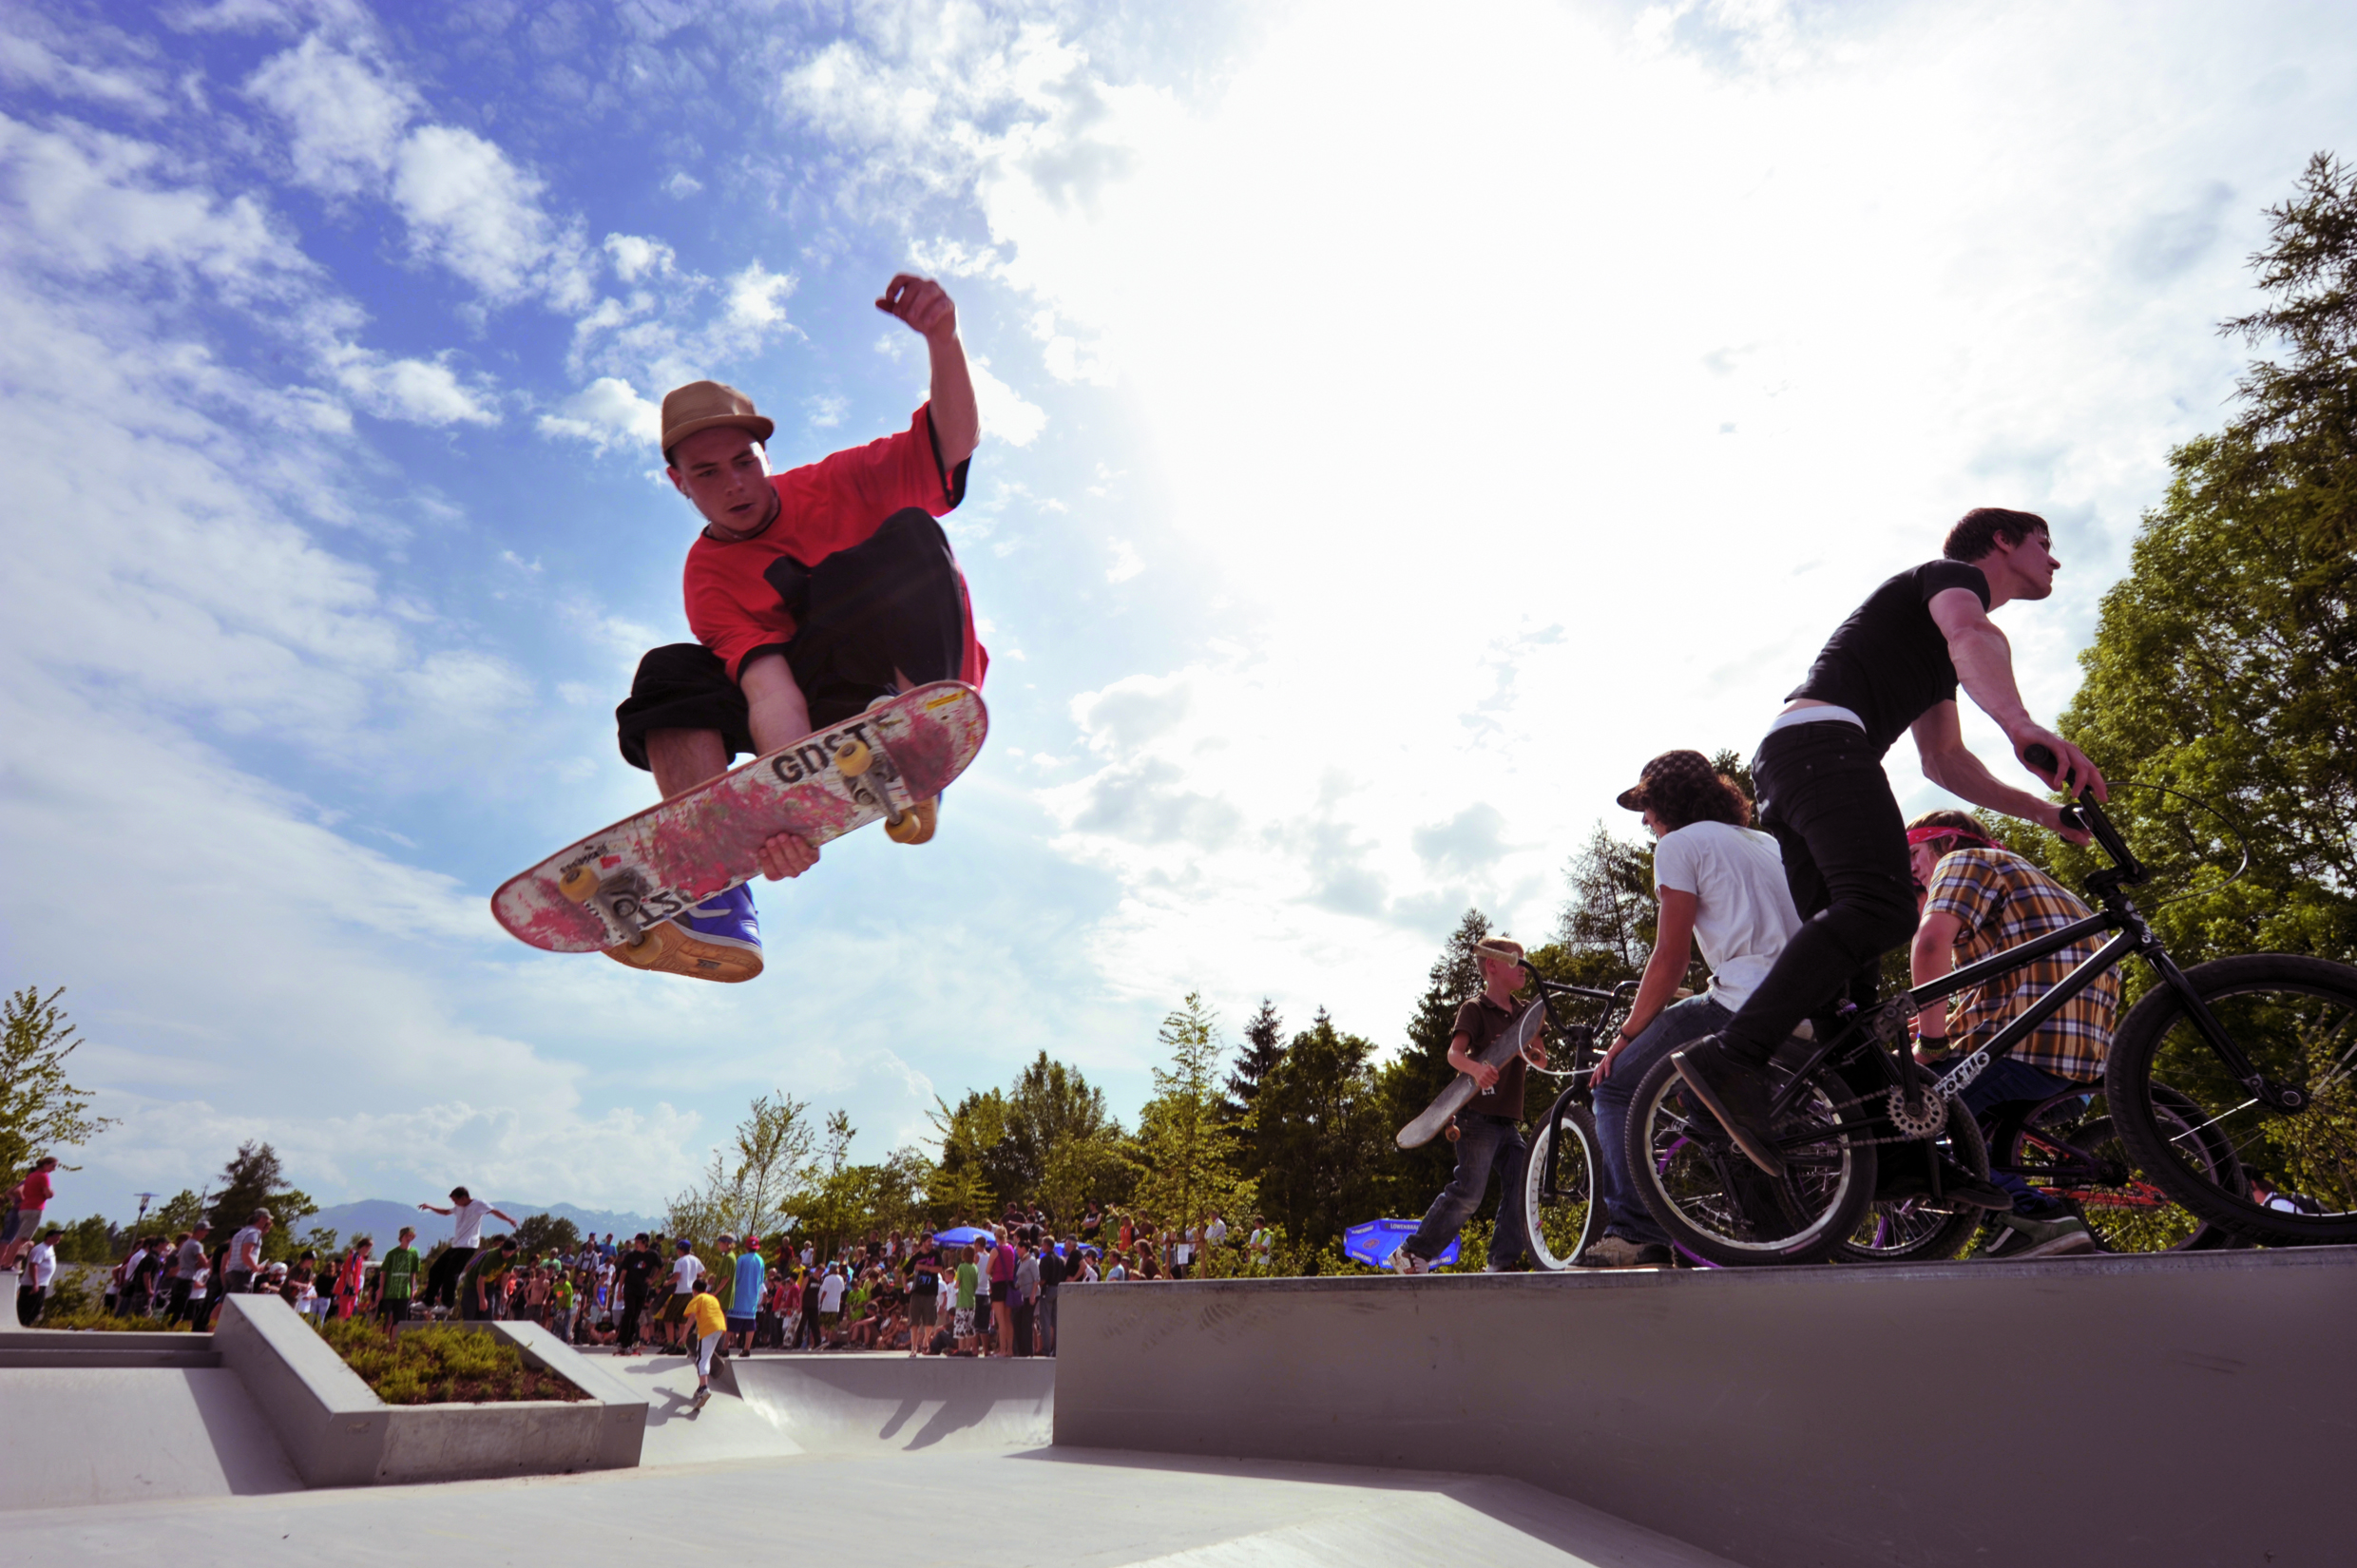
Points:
[[442, 1365]]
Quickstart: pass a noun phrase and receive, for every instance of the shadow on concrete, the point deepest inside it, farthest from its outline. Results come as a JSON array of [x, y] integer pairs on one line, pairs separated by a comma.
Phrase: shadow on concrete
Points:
[[251, 1460]]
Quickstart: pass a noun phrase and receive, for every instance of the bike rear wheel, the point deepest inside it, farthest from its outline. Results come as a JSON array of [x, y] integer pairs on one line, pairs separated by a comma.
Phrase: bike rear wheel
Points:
[[1717, 1205], [1912, 1230], [2296, 1020], [1560, 1204]]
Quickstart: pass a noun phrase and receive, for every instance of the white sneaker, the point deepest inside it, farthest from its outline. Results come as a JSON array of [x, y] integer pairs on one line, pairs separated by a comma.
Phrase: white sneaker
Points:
[[1406, 1262]]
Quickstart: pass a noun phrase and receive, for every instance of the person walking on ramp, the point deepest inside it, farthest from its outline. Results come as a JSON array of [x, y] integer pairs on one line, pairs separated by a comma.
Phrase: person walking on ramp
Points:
[[1489, 1133], [1891, 668], [812, 594]]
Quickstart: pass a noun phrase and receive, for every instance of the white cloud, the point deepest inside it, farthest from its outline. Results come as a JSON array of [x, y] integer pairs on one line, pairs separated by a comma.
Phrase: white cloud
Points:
[[682, 185], [1006, 413], [1458, 517], [347, 117], [34, 52], [635, 257], [421, 392], [606, 412], [471, 209]]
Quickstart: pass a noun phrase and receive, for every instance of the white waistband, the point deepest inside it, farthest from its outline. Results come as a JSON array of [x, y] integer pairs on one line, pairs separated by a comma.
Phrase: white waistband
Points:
[[1813, 715]]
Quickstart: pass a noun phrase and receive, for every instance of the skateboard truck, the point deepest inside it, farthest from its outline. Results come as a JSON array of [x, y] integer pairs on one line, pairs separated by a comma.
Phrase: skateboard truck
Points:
[[613, 901], [874, 780]]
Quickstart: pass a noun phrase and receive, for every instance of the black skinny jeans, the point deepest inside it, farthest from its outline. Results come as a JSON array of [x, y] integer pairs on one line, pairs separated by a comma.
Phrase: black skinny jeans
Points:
[[1824, 797]]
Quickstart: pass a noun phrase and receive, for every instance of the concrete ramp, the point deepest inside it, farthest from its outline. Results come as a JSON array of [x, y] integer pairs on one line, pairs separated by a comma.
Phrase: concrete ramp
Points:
[[724, 1429], [81, 1435], [871, 1403]]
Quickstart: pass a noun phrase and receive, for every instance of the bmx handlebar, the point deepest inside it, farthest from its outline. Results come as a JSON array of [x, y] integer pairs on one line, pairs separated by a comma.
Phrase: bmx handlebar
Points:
[[2086, 813]]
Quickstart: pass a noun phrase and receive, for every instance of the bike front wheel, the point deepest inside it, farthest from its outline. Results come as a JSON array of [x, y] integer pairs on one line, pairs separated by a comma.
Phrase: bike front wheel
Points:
[[2287, 1177], [1559, 1185], [1717, 1205]]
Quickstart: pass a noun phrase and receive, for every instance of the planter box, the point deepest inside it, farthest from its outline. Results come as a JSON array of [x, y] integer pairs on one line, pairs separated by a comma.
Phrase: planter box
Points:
[[338, 1433]]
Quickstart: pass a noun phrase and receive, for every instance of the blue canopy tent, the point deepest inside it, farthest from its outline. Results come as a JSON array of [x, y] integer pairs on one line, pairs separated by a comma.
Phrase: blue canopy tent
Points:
[[964, 1236], [1374, 1242]]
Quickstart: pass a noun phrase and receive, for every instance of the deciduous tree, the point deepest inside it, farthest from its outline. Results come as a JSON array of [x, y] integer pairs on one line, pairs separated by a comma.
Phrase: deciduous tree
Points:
[[39, 1110]]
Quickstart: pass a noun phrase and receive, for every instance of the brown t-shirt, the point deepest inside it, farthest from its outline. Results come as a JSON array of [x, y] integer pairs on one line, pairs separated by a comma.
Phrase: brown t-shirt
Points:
[[1482, 1020]]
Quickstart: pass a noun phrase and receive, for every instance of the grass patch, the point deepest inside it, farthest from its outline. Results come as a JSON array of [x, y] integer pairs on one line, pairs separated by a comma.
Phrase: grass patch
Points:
[[99, 1320], [443, 1365]]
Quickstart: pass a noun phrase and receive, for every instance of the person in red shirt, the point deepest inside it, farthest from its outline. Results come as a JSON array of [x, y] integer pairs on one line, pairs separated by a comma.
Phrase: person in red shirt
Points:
[[26, 1201], [812, 593]]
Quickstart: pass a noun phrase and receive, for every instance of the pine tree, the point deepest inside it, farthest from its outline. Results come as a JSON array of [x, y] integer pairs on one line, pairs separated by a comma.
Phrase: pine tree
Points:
[[1264, 1043], [1185, 1152], [254, 1179], [1317, 1120], [1609, 915]]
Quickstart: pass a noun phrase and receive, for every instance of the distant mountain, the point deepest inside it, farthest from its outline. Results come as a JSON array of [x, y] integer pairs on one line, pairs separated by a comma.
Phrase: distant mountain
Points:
[[383, 1218]]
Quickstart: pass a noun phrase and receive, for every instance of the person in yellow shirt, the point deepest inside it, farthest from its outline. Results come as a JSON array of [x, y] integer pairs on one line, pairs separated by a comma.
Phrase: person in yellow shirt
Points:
[[706, 1325]]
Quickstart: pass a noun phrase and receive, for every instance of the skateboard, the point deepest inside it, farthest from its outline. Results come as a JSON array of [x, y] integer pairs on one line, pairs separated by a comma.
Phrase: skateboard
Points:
[[610, 892], [1450, 1100]]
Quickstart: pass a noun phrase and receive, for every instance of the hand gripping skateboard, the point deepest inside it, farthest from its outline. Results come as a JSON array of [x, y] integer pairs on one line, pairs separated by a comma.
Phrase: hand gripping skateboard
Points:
[[1450, 1100], [609, 891]]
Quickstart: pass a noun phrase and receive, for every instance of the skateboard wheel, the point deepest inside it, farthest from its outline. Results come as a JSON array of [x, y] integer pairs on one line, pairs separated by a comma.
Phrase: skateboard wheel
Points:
[[852, 758], [577, 884], [642, 953], [1455, 1131], [914, 826]]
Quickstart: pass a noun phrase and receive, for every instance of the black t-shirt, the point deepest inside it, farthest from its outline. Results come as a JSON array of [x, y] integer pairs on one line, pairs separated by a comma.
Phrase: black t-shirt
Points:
[[1889, 662], [637, 1269], [1051, 1269], [1482, 1020], [925, 1276]]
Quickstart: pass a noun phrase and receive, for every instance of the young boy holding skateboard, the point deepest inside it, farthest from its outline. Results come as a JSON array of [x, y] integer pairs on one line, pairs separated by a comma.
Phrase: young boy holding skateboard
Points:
[[1490, 1134], [812, 593]]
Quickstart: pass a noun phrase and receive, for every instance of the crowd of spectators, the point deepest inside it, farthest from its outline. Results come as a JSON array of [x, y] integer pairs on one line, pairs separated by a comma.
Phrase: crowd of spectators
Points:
[[967, 1289]]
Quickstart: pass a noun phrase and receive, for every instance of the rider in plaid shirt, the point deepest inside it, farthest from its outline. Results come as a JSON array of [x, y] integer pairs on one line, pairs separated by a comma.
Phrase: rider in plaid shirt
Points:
[[1980, 899]]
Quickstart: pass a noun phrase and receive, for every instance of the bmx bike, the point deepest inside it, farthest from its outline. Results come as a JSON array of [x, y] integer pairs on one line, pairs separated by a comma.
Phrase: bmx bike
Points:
[[2226, 1084]]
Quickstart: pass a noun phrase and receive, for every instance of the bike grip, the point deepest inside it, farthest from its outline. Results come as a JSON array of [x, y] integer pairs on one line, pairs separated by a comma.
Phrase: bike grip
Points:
[[2038, 756]]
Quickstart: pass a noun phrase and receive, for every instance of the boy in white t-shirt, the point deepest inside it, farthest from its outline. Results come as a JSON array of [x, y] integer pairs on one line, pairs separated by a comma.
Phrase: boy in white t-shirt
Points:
[[1721, 884]]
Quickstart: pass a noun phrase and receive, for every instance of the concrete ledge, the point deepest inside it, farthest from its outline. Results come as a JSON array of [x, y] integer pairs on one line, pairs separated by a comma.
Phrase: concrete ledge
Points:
[[2136, 1408], [338, 1433], [621, 1432]]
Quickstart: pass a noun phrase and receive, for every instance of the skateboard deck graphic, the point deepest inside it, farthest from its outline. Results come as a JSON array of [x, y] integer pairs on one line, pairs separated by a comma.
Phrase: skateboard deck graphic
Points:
[[1450, 1100], [602, 892]]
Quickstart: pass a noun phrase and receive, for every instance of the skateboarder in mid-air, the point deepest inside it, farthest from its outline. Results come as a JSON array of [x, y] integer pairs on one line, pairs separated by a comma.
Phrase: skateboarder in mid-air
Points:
[[812, 594], [1891, 668], [1490, 1134]]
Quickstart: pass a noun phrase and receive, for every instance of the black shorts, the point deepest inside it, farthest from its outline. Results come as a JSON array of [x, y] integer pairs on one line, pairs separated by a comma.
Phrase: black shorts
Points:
[[892, 603], [394, 1309], [1001, 1290]]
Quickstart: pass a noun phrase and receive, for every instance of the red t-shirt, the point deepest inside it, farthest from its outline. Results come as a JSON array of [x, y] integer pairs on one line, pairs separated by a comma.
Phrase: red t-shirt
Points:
[[824, 507], [35, 1191]]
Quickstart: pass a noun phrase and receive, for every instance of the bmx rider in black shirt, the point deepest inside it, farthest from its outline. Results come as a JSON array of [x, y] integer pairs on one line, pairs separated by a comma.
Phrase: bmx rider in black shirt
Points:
[[1891, 668]]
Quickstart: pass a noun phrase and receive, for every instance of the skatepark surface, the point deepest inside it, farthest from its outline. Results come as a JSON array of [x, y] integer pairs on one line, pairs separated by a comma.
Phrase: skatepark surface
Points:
[[1795, 1418], [950, 1451]]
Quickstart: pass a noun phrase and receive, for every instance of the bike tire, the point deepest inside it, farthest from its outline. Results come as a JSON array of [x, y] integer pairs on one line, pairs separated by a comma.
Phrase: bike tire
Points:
[[2296, 1019], [2068, 1147], [1910, 1230], [1716, 1204], [1562, 1218]]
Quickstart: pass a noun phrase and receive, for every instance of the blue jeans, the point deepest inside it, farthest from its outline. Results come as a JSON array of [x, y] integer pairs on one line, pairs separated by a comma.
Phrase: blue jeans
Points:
[[1483, 1144], [1680, 1024], [2007, 1081]]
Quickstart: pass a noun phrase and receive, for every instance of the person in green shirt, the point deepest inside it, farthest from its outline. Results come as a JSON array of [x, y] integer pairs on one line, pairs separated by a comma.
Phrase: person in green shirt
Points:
[[969, 1282], [396, 1278], [561, 1308], [486, 1273]]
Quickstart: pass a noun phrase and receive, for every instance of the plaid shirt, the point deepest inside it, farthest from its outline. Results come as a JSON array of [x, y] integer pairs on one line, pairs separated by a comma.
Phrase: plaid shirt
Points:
[[2001, 901]]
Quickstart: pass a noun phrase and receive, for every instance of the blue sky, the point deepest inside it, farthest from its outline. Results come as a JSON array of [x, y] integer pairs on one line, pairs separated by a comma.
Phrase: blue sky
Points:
[[1398, 426]]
